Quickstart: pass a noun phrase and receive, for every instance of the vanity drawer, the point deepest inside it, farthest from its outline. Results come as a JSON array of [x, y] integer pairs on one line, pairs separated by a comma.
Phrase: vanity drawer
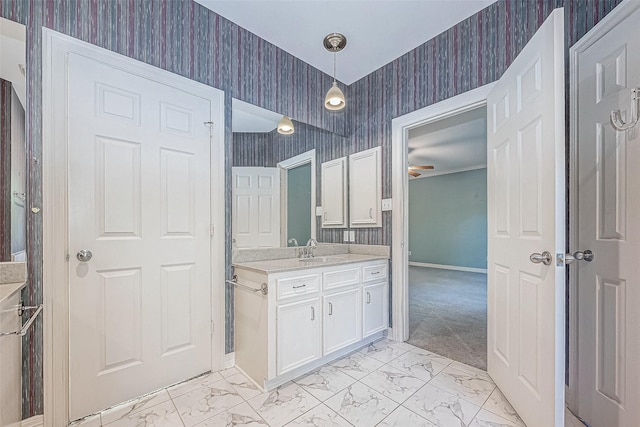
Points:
[[373, 273], [290, 287], [338, 278]]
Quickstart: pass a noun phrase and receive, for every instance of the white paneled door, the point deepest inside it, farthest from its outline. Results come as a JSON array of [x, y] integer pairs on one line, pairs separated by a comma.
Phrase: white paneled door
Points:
[[139, 201], [526, 216], [256, 207], [608, 287]]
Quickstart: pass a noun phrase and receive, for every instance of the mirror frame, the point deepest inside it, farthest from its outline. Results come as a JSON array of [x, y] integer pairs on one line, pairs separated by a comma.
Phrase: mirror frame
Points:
[[284, 166]]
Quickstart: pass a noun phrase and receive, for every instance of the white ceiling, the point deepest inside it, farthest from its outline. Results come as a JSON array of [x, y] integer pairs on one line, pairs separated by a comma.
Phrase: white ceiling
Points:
[[377, 31], [12, 54], [251, 118], [453, 144]]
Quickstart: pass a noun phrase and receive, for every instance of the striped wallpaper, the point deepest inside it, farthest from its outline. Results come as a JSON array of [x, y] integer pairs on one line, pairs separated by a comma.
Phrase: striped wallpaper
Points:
[[5, 170], [185, 38]]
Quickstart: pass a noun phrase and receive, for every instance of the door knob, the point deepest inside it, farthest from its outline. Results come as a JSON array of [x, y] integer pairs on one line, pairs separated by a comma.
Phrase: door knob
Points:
[[585, 255], [544, 257], [84, 255]]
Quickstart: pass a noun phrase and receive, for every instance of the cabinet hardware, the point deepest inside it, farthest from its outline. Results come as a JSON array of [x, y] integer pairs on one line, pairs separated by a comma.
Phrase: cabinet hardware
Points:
[[371, 213], [330, 309], [300, 286], [368, 298], [313, 313]]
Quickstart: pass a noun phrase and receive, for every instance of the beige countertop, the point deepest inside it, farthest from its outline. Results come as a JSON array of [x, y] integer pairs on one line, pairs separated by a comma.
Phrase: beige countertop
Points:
[[291, 264], [9, 289]]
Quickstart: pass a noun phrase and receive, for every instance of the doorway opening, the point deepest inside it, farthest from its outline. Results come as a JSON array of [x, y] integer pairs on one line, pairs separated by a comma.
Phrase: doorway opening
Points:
[[447, 222]]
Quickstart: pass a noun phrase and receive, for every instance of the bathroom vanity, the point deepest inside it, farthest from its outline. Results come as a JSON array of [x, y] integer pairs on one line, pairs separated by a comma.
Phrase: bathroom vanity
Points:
[[12, 280], [316, 310]]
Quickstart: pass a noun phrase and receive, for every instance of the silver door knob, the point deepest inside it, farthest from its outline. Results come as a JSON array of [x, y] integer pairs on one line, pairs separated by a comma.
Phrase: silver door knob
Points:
[[84, 255], [585, 255], [544, 257]]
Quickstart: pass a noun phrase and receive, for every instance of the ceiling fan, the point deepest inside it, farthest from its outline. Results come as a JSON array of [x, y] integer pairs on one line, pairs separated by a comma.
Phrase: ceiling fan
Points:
[[413, 170]]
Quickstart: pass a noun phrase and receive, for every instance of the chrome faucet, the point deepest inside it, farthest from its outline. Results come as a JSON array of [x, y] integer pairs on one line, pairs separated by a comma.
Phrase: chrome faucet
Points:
[[292, 240], [308, 250]]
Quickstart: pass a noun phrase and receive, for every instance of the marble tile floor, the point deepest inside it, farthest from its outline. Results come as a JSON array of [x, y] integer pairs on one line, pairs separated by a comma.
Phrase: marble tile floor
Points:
[[383, 384]]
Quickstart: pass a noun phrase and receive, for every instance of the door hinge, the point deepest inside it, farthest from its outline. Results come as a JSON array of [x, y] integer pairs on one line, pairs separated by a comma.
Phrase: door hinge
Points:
[[210, 126], [212, 328], [67, 257], [211, 229]]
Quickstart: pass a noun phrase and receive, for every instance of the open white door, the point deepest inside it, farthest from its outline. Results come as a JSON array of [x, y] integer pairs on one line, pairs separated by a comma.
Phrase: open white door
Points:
[[256, 207], [526, 215]]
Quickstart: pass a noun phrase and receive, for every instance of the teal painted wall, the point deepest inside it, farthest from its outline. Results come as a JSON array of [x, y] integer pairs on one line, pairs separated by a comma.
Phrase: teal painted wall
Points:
[[448, 219], [299, 203]]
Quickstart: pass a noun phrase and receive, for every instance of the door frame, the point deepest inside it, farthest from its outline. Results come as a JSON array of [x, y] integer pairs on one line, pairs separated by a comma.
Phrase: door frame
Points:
[[400, 127], [284, 166], [615, 17], [56, 47]]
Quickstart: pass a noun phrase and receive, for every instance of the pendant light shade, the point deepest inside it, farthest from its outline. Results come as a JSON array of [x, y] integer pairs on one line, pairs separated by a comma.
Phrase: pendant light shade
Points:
[[334, 100], [285, 126]]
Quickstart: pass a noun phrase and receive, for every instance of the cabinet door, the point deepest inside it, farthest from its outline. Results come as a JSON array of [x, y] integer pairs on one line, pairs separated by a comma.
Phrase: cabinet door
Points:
[[334, 193], [342, 320], [365, 188], [297, 334], [375, 311]]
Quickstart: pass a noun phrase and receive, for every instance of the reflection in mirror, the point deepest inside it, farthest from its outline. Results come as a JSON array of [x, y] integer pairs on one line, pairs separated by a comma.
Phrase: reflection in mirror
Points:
[[258, 152], [12, 141], [272, 203]]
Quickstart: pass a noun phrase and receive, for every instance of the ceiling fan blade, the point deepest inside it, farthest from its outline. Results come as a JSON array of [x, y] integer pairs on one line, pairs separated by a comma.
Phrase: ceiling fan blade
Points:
[[414, 173], [422, 167]]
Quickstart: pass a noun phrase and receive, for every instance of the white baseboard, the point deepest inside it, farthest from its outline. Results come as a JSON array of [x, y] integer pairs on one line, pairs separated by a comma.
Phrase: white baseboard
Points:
[[229, 360], [35, 421], [448, 267]]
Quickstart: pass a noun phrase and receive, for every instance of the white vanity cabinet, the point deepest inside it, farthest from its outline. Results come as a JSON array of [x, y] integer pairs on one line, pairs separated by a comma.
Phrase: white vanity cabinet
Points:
[[298, 339], [342, 324], [333, 185], [365, 188], [309, 317]]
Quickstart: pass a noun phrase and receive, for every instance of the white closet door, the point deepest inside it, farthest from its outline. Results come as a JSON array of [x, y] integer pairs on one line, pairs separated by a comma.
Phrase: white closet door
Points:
[[139, 200]]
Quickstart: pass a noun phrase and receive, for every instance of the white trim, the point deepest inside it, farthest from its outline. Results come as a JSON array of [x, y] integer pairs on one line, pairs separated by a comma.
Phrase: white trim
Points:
[[609, 22], [229, 360], [448, 267], [429, 174], [399, 251], [55, 50], [35, 421], [285, 165]]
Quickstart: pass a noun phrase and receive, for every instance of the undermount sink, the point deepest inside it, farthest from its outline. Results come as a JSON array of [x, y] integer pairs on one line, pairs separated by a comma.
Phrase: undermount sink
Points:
[[322, 259]]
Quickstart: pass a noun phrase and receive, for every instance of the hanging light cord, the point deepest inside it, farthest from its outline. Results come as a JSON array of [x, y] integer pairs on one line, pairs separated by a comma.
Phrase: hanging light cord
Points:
[[334, 66]]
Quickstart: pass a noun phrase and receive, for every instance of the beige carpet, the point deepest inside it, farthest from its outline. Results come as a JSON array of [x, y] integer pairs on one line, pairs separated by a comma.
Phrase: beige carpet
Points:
[[448, 314]]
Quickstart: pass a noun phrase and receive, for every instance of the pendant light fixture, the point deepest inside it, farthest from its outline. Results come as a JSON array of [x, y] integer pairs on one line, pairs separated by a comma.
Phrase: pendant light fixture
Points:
[[285, 126], [334, 100]]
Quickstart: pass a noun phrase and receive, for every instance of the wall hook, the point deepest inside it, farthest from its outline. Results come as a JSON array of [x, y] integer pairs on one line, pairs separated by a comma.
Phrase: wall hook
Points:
[[616, 117]]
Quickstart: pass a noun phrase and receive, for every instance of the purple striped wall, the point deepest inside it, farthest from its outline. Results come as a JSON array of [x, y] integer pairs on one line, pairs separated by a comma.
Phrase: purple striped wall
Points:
[[5, 170], [187, 39]]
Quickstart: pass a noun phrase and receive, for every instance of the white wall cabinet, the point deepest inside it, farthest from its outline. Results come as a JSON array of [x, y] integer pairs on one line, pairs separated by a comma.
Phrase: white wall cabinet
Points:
[[333, 185], [298, 334], [308, 318], [365, 188], [342, 324]]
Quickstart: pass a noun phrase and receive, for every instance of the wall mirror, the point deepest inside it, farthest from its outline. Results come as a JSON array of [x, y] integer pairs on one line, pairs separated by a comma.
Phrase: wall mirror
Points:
[[276, 179], [12, 141]]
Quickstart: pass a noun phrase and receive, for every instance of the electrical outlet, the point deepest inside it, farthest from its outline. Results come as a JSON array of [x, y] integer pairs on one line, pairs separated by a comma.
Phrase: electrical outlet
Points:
[[352, 235], [387, 205], [318, 210], [409, 253]]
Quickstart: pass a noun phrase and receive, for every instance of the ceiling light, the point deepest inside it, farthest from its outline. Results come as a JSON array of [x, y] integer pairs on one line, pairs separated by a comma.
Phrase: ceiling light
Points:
[[334, 100], [285, 126]]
